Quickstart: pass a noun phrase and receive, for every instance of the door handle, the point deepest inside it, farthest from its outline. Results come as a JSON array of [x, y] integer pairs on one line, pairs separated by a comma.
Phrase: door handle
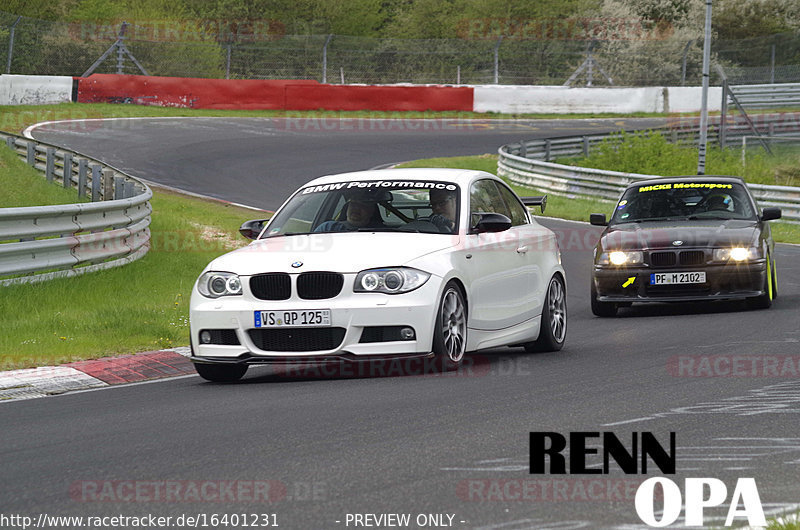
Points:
[[522, 250]]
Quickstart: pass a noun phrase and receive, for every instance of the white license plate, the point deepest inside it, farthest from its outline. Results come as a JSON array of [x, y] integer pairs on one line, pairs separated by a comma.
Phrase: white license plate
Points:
[[673, 278], [289, 318]]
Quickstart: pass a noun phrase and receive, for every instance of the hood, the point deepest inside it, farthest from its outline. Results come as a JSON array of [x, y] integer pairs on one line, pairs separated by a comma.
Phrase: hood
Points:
[[649, 235], [339, 252]]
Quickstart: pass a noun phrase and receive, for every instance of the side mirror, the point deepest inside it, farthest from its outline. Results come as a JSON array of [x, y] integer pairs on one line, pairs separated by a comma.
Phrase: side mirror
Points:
[[768, 214], [251, 229], [491, 222], [540, 201], [598, 219]]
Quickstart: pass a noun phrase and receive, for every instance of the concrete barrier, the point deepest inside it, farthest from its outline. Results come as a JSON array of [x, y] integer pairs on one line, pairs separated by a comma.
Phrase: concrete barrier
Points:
[[293, 94], [562, 100], [34, 89]]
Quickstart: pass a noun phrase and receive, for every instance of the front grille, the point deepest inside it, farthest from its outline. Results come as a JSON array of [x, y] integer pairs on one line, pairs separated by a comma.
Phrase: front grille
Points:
[[662, 259], [297, 339], [693, 257], [271, 286], [319, 285]]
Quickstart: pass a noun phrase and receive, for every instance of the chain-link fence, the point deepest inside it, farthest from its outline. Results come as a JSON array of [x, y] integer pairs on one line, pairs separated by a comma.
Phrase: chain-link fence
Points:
[[37, 47]]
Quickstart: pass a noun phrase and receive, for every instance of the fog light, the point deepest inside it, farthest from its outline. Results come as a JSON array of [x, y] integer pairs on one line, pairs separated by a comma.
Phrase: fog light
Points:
[[407, 333], [205, 337]]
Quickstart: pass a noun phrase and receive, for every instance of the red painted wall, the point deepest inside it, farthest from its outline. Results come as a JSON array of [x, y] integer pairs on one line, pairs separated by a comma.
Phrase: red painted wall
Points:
[[268, 94], [185, 92]]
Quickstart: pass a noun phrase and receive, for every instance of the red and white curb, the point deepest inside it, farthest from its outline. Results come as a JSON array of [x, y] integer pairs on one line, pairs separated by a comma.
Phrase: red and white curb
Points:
[[83, 375]]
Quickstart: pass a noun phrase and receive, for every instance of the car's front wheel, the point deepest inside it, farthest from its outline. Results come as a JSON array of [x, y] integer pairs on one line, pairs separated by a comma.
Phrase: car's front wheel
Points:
[[450, 328], [602, 309], [765, 300], [553, 329], [221, 373]]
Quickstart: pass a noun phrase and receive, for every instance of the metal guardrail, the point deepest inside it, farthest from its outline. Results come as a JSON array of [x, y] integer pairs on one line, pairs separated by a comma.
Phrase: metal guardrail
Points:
[[768, 96], [528, 164], [45, 242]]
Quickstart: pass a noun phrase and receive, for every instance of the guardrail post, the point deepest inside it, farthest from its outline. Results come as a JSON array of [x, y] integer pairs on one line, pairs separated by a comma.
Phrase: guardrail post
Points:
[[723, 116], [108, 185], [10, 142], [523, 149], [119, 182], [97, 175], [585, 146], [31, 153], [128, 190], [67, 170], [83, 165], [547, 150], [50, 164]]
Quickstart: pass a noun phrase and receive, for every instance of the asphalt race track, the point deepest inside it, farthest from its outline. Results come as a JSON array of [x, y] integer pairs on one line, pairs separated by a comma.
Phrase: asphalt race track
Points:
[[322, 445]]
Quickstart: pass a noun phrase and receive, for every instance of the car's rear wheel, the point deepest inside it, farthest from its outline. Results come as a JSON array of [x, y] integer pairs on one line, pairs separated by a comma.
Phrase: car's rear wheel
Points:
[[553, 329], [450, 328], [602, 309], [221, 373], [765, 300]]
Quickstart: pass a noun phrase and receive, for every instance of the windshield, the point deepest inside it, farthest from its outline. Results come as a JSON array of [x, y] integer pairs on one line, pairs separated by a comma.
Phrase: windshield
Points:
[[684, 200], [386, 206]]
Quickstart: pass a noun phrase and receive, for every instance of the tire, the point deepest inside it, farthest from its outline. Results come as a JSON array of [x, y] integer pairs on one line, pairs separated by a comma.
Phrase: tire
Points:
[[553, 329], [602, 309], [765, 300], [774, 281], [221, 373], [450, 329]]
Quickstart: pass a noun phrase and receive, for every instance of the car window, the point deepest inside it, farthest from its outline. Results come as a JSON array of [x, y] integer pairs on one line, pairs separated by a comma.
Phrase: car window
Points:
[[387, 206], [684, 200], [484, 197], [515, 207]]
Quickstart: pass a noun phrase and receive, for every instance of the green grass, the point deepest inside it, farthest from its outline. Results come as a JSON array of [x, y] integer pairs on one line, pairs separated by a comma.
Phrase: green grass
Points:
[[138, 307], [24, 186], [792, 524], [651, 154]]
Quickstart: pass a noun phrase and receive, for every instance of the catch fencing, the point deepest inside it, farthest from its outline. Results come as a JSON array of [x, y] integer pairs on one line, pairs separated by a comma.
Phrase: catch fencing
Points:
[[528, 163], [44, 242], [487, 51]]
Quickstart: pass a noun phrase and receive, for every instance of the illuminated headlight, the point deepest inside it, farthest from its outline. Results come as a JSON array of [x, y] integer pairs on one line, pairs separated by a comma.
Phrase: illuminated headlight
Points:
[[390, 281], [619, 258], [216, 284], [736, 254]]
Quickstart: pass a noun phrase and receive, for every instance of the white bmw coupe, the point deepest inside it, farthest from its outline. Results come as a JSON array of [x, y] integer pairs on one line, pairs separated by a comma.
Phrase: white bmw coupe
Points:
[[376, 265]]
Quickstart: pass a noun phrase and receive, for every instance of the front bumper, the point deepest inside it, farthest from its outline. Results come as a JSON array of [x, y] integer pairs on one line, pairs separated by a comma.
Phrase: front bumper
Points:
[[343, 341], [723, 282]]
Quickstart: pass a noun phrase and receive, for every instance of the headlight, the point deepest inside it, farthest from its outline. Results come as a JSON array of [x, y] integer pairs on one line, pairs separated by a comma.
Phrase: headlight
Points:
[[737, 254], [216, 284], [390, 281], [619, 258]]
